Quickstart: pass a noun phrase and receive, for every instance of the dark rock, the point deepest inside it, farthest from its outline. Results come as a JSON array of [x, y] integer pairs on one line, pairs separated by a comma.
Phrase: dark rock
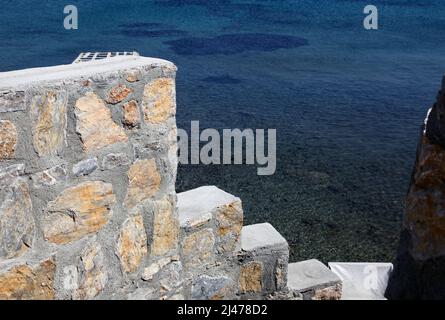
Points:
[[419, 270]]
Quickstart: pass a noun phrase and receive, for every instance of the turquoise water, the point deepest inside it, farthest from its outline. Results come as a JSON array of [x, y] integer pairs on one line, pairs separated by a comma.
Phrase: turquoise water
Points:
[[347, 103]]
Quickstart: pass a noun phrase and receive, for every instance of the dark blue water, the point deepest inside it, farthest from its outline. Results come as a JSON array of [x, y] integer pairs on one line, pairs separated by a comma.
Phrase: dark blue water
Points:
[[347, 103]]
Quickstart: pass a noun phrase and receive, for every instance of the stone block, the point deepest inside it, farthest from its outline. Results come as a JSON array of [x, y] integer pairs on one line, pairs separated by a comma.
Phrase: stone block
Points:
[[143, 182], [115, 160], [50, 177], [8, 139], [133, 76], [16, 217], [251, 277], [212, 288], [49, 118], [78, 211], [314, 280], [264, 255], [261, 237], [171, 279], [118, 94], [94, 274], [158, 102], [28, 282], [132, 244], [95, 125], [85, 167], [165, 228], [154, 268], [198, 249], [210, 206], [11, 101], [131, 117]]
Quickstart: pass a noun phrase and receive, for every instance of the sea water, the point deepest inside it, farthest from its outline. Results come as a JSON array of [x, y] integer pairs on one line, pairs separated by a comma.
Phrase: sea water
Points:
[[347, 103]]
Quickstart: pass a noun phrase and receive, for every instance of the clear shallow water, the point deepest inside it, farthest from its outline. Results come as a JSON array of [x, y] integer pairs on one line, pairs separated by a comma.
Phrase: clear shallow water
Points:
[[347, 103]]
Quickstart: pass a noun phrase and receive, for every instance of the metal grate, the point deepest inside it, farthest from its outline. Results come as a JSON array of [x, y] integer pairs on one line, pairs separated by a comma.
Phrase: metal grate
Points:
[[92, 56]]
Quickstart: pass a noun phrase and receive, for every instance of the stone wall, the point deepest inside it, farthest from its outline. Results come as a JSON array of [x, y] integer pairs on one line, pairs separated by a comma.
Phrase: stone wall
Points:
[[88, 208], [87, 180]]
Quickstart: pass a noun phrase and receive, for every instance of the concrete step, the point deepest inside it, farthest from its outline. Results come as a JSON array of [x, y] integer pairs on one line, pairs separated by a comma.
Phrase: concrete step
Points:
[[249, 261], [264, 258], [197, 207], [211, 221], [363, 280], [314, 281]]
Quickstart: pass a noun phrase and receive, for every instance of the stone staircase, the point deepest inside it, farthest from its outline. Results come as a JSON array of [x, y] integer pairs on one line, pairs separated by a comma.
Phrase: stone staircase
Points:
[[88, 208], [225, 260]]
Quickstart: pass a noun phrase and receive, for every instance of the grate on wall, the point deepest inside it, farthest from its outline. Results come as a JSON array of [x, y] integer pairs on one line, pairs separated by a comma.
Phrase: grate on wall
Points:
[[92, 56]]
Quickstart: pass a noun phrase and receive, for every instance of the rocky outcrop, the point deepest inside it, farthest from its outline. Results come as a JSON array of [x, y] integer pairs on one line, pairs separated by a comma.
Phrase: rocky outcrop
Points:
[[419, 271]]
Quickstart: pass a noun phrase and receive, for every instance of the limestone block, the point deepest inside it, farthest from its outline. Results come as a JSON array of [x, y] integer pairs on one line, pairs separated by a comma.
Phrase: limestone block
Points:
[[132, 244], [212, 288], [251, 277], [16, 218], [78, 211], [94, 275], [118, 94], [158, 102], [48, 115], [131, 117], [154, 268], [171, 279], [144, 182], [11, 172], [50, 177], [95, 125], [198, 249], [85, 167], [28, 282], [114, 160], [264, 255], [229, 219], [8, 139], [133, 76], [11, 101], [165, 228], [314, 280]]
